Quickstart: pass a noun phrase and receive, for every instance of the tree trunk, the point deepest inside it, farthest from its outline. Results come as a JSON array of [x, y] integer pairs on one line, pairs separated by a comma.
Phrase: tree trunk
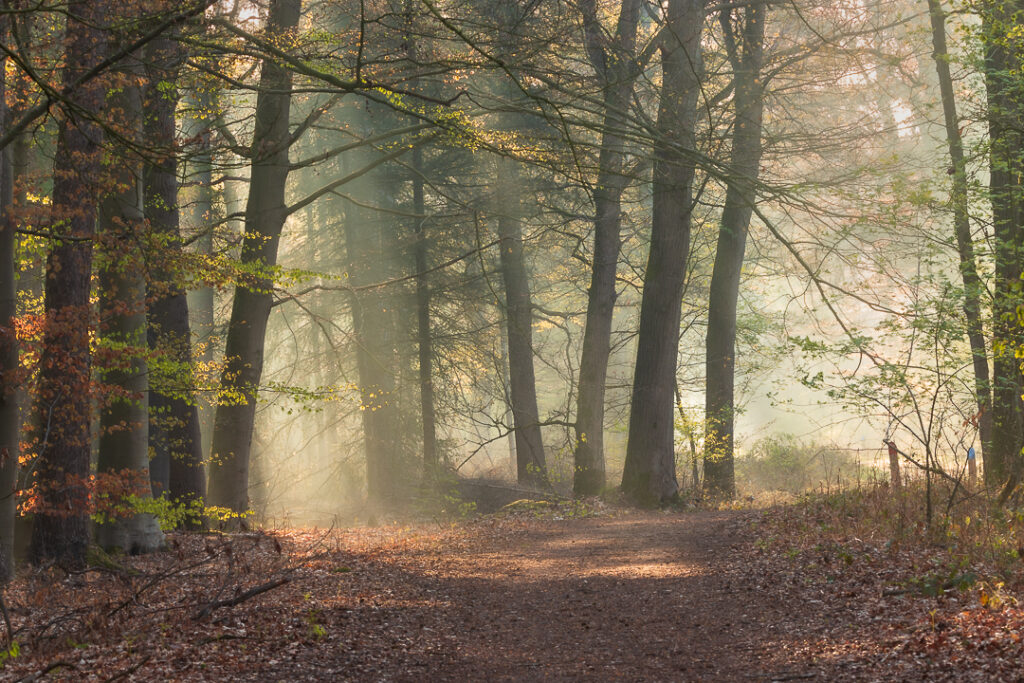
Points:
[[616, 71], [506, 392], [61, 530], [649, 475], [973, 287], [423, 336], [530, 463], [531, 469], [197, 215], [265, 214], [124, 417], [374, 338], [1005, 112], [424, 340], [740, 196], [10, 421], [174, 416]]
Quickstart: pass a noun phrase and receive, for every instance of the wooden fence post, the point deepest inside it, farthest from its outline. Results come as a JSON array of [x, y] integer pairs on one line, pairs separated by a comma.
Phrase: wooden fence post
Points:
[[894, 464], [972, 468]]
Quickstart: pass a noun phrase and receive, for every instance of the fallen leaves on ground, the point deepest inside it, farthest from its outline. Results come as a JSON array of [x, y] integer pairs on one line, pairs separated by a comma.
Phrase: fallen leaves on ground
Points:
[[887, 611], [562, 592]]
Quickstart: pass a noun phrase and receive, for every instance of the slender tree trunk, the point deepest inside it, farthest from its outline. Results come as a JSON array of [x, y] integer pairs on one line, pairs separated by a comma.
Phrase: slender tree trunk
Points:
[[649, 475], [530, 464], [617, 71], [740, 196], [507, 393], [313, 255], [973, 287], [61, 530], [197, 215], [30, 276], [1005, 112], [10, 420], [423, 336], [175, 437], [265, 214], [374, 339], [507, 203]]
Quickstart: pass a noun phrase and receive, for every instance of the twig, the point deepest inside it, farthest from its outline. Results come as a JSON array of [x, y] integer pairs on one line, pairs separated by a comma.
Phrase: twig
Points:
[[158, 578], [221, 636], [891, 652], [50, 667], [231, 602], [927, 468], [129, 671]]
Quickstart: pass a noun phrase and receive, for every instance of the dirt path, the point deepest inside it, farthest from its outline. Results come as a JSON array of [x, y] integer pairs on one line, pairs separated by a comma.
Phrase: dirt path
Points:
[[629, 596], [644, 596]]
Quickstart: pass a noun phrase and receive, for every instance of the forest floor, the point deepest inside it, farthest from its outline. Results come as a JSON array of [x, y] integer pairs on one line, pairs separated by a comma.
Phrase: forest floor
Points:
[[542, 593]]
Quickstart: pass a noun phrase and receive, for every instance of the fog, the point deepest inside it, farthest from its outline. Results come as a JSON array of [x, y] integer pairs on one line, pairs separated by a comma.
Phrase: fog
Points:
[[849, 259]]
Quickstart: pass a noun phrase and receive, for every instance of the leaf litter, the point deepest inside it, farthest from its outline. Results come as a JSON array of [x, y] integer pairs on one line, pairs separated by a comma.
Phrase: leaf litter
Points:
[[536, 592]]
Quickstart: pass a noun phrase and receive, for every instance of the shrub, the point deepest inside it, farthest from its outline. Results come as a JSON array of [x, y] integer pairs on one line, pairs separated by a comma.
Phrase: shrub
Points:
[[784, 463]]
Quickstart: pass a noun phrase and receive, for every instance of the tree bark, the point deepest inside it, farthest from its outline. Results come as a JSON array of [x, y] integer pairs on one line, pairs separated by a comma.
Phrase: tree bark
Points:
[[175, 436], [10, 421], [265, 214], [973, 287], [507, 203], [372, 329], [616, 69], [424, 340], [61, 530], [1005, 113], [740, 196], [197, 215], [530, 463], [649, 475], [124, 417], [374, 356]]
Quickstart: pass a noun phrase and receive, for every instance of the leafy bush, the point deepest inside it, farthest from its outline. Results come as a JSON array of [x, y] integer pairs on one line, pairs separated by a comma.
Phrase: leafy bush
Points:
[[784, 463]]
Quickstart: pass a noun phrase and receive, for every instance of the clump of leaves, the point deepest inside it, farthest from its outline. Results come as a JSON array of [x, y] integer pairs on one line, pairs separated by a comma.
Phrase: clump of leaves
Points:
[[455, 506], [940, 581], [171, 514], [9, 653]]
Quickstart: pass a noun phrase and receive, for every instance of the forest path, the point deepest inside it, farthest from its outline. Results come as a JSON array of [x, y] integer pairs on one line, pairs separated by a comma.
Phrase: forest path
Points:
[[532, 595], [639, 596]]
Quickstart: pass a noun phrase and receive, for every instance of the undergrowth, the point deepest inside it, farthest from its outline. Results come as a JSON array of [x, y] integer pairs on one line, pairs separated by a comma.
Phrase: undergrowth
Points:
[[967, 537]]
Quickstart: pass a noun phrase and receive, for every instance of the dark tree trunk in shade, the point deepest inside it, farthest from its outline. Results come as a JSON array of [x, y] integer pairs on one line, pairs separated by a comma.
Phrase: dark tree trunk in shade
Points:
[[61, 529], [649, 474], [746, 53], [973, 286], [615, 68], [10, 421], [265, 214], [507, 203], [174, 434], [530, 463], [1005, 111], [124, 414]]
